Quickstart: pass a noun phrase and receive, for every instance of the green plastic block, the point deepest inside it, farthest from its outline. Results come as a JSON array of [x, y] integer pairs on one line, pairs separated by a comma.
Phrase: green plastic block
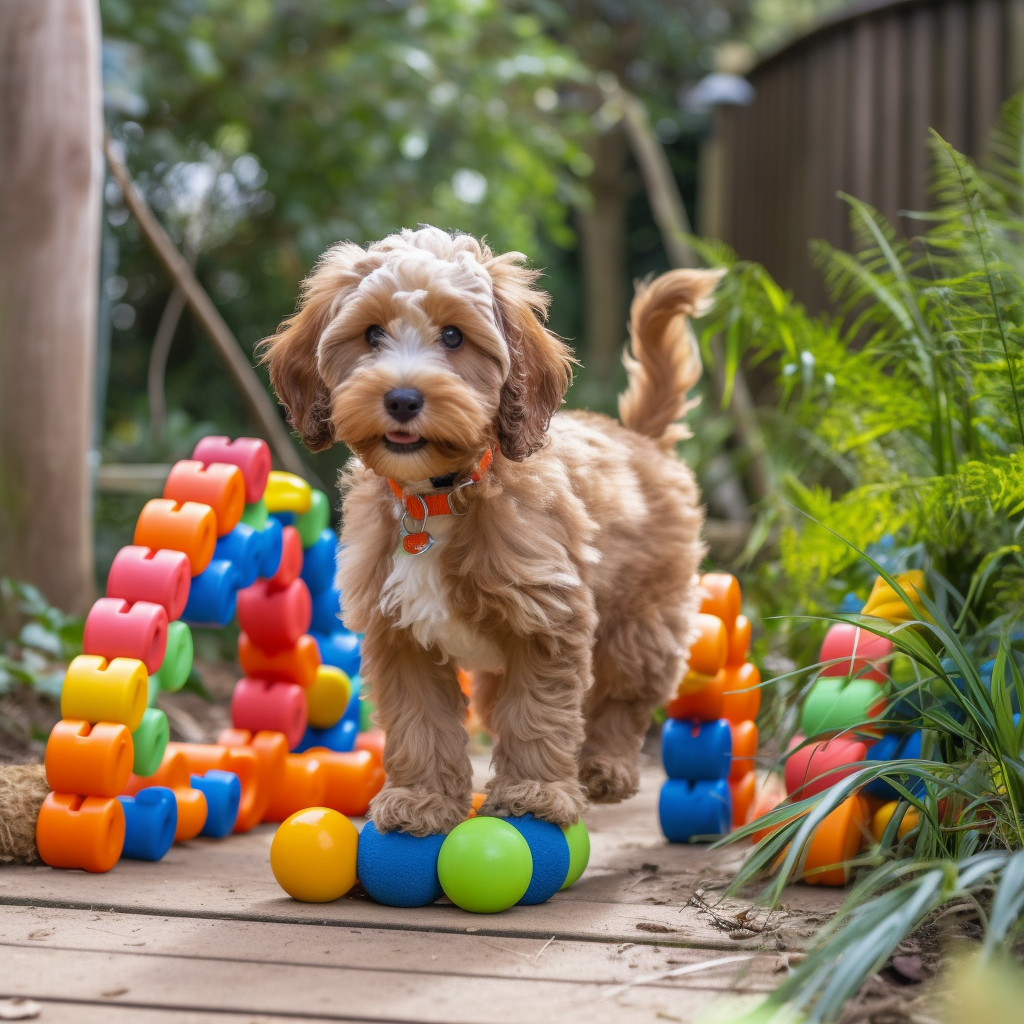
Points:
[[154, 691], [836, 703], [150, 740], [312, 523], [177, 662], [256, 515], [366, 710]]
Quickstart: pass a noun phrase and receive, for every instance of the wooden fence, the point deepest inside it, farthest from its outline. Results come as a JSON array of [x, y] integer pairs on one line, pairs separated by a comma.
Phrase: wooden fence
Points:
[[847, 108]]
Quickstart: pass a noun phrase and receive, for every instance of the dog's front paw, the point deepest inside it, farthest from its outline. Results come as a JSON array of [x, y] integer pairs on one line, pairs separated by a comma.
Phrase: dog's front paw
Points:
[[417, 811], [608, 780], [559, 802]]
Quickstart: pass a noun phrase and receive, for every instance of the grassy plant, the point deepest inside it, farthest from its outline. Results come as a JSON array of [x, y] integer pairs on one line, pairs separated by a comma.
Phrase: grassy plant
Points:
[[898, 442]]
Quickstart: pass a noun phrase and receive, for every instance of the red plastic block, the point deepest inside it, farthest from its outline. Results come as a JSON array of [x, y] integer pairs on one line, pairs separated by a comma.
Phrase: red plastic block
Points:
[[90, 760], [142, 574], [819, 766], [275, 618], [297, 664], [80, 831], [842, 640], [218, 484], [277, 707], [291, 558], [116, 629], [249, 454], [190, 527]]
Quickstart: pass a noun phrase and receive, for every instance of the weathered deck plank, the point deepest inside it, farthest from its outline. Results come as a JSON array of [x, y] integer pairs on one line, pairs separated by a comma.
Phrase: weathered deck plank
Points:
[[207, 934]]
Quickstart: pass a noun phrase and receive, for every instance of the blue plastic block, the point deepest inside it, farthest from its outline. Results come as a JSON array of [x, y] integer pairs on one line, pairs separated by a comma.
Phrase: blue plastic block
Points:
[[211, 599], [150, 819], [326, 606], [354, 709], [270, 548], [340, 649], [550, 850], [696, 750], [318, 562], [397, 869], [340, 737], [892, 747], [243, 547], [223, 793], [284, 518], [690, 809]]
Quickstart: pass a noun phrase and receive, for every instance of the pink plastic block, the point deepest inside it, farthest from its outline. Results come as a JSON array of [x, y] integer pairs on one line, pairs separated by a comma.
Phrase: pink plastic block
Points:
[[275, 618], [249, 454], [141, 574], [819, 766], [116, 629], [840, 642]]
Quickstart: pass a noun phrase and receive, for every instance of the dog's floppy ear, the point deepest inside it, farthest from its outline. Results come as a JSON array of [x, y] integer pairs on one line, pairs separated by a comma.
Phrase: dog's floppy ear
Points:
[[291, 353], [540, 362]]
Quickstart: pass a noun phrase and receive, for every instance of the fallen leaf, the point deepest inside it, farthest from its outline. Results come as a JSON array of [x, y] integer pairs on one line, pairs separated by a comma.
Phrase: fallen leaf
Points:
[[114, 992], [907, 969], [651, 926]]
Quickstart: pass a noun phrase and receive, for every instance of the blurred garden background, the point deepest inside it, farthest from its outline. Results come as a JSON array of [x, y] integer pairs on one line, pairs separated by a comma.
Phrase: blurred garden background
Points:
[[858, 168]]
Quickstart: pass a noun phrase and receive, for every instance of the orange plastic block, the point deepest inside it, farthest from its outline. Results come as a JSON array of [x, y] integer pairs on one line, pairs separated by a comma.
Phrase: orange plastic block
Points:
[[835, 843], [768, 797], [174, 773], [722, 597], [189, 527], [218, 485], [298, 664], [373, 741], [739, 642], [303, 784], [742, 694], [271, 750], [477, 803], [743, 791], [703, 706], [744, 749], [90, 760], [97, 691], [710, 647], [242, 760], [80, 831], [352, 779]]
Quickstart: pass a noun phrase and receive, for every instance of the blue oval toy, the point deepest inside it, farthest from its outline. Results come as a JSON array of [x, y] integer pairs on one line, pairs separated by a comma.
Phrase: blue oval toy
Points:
[[397, 869], [550, 851]]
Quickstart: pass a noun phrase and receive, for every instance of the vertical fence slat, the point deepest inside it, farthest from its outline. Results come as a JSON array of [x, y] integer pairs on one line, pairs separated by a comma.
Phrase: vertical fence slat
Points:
[[987, 70], [923, 108]]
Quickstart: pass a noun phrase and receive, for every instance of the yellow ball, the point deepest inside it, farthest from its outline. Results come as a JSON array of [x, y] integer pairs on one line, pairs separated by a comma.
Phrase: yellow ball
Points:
[[883, 816], [328, 697], [313, 855]]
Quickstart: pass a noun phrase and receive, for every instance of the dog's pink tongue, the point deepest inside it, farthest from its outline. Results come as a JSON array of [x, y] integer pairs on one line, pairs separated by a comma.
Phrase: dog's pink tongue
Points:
[[397, 438]]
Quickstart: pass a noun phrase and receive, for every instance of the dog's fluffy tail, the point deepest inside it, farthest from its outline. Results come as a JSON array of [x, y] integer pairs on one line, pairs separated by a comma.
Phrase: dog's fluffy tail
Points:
[[663, 361]]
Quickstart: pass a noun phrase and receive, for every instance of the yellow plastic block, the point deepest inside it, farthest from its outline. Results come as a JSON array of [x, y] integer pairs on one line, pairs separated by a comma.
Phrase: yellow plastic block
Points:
[[287, 492], [328, 697], [884, 814], [693, 682], [885, 603], [95, 691]]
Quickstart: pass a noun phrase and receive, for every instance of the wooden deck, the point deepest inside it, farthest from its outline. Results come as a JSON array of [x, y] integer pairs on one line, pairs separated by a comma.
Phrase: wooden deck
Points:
[[207, 935]]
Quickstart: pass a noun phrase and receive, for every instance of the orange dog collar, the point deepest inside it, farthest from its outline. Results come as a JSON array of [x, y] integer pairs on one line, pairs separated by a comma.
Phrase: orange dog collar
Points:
[[425, 506]]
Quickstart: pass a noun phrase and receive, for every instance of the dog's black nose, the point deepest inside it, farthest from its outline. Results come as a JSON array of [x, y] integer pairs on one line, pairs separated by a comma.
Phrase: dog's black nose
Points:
[[403, 403]]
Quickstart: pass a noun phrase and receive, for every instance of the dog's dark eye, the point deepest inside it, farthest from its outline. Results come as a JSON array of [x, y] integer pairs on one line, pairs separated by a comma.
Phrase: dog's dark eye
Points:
[[451, 337], [375, 334]]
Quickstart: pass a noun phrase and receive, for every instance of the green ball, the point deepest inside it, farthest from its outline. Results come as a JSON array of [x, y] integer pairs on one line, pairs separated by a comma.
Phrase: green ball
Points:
[[485, 865], [579, 852]]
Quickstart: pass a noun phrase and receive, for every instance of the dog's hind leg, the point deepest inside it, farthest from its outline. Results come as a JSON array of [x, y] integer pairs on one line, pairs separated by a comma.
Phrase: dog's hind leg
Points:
[[636, 664], [422, 709]]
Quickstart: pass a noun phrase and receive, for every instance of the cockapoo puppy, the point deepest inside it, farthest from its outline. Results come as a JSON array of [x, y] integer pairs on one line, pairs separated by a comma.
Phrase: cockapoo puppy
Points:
[[552, 555]]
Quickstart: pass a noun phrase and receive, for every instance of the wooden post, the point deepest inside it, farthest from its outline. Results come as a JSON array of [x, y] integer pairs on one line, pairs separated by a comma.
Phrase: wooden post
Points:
[[51, 168]]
